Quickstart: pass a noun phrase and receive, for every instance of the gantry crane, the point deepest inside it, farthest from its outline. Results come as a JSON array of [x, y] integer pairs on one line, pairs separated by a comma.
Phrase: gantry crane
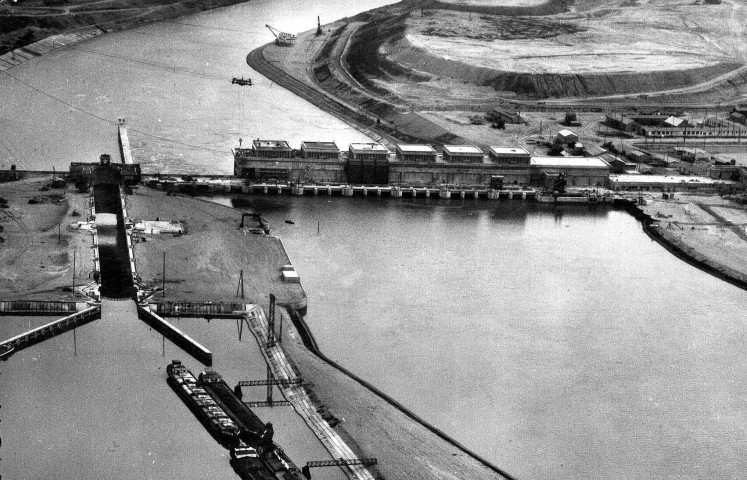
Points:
[[282, 38]]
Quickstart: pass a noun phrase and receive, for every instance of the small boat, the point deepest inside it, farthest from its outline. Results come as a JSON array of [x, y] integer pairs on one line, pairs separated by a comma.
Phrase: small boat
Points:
[[242, 81], [6, 351], [290, 222]]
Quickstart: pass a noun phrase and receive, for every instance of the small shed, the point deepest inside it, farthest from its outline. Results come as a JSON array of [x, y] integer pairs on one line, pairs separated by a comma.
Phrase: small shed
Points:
[[566, 137], [506, 116], [737, 117]]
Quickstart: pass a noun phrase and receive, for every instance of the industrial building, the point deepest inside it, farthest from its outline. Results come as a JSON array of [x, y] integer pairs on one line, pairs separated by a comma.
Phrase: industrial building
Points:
[[368, 151], [463, 154], [666, 183], [566, 137], [321, 150], [372, 164], [416, 153], [506, 116], [579, 171], [509, 156], [271, 149], [368, 163]]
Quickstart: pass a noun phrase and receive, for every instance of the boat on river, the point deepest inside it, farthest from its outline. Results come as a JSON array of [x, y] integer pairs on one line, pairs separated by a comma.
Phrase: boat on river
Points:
[[212, 415]]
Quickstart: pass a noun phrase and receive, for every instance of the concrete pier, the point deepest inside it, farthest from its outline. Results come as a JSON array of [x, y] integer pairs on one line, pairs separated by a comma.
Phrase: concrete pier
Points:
[[52, 329], [297, 396], [176, 336], [198, 310], [40, 307], [124, 145]]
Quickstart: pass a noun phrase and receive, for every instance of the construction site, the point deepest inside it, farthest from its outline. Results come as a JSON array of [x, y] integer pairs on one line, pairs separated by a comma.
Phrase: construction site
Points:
[[469, 120], [424, 70]]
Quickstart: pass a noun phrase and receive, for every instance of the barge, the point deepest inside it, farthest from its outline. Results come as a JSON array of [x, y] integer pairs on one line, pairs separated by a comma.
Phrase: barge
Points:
[[253, 430], [210, 413], [281, 465], [266, 464], [248, 464]]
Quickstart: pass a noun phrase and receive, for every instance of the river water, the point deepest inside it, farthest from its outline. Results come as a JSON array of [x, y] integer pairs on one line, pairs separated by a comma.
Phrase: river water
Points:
[[551, 342]]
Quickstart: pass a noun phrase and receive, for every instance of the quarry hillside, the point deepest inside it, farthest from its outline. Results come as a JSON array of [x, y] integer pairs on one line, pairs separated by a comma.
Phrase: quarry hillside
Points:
[[534, 49]]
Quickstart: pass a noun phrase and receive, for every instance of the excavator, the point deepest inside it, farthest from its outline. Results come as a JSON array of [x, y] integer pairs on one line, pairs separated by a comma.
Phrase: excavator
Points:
[[282, 38]]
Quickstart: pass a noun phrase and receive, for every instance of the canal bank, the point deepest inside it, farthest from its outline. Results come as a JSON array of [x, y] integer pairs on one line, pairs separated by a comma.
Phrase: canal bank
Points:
[[375, 422]]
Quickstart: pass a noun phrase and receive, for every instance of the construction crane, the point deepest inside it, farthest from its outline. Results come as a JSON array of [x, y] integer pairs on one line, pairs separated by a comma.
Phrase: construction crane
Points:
[[282, 38]]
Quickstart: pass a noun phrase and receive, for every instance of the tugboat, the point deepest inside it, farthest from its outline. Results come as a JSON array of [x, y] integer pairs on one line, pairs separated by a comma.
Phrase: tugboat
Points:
[[212, 416], [281, 465], [248, 465]]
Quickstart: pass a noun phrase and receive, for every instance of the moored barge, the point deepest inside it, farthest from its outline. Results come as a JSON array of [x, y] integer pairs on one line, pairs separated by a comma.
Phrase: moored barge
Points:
[[212, 415], [248, 464], [253, 430], [264, 464]]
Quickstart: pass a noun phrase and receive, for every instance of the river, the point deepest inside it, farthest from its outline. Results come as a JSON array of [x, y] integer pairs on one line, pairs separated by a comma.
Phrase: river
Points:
[[551, 342]]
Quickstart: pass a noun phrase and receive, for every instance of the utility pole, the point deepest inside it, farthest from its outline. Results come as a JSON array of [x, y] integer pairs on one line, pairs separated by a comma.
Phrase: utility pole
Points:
[[74, 252], [163, 278], [240, 286]]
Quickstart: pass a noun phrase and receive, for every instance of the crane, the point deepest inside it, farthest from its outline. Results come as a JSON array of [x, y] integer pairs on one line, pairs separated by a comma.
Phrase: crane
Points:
[[282, 38]]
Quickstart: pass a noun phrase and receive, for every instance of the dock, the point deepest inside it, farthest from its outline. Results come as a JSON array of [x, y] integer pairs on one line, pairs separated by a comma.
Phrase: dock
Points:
[[52, 329], [197, 309], [210, 185], [124, 144], [297, 396], [40, 307], [176, 336]]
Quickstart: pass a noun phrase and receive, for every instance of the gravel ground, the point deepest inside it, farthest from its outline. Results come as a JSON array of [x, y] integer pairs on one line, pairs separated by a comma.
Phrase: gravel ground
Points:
[[36, 254], [705, 228]]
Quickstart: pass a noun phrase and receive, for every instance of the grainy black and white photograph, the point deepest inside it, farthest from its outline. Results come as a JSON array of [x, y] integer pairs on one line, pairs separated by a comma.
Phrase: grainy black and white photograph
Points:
[[366, 240]]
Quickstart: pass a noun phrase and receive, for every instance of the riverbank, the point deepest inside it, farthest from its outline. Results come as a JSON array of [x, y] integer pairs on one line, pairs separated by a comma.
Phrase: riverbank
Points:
[[707, 231], [377, 424], [25, 23]]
